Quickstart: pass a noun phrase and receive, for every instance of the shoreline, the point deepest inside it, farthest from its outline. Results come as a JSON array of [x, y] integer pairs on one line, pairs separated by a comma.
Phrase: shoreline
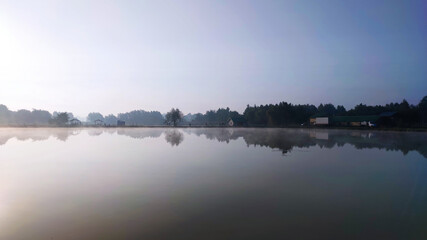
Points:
[[248, 127]]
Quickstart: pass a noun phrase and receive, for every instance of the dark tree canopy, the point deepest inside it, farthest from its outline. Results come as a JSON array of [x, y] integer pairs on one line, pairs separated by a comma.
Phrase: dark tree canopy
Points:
[[110, 120], [422, 108], [276, 115], [61, 119], [24, 117], [141, 118], [282, 114], [40, 117], [218, 117], [173, 116], [93, 116]]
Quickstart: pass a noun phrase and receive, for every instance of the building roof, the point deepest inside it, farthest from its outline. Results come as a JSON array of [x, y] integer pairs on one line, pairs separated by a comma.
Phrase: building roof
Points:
[[370, 118], [317, 115], [237, 120]]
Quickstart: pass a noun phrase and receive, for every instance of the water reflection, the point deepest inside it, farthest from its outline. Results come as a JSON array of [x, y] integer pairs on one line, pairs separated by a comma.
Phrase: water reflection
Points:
[[287, 139], [140, 133], [36, 134], [174, 137], [282, 139], [129, 183]]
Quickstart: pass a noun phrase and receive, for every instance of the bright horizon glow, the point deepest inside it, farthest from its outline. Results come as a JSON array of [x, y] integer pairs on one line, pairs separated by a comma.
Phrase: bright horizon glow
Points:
[[118, 56]]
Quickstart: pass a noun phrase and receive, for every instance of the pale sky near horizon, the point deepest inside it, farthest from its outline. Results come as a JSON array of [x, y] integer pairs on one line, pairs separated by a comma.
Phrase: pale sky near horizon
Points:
[[117, 56]]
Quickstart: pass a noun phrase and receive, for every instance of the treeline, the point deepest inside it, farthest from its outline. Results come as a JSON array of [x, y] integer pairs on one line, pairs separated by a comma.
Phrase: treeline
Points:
[[133, 118], [275, 115], [282, 114], [218, 117], [287, 114], [45, 118], [32, 118]]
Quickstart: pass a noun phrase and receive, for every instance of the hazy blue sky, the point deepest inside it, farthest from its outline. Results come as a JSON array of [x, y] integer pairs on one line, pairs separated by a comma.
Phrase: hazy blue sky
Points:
[[116, 56]]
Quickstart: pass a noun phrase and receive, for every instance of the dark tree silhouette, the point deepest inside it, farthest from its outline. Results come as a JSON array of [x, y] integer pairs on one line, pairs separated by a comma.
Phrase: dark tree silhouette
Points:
[[93, 116], [340, 110], [61, 119], [23, 117], [141, 117], [173, 116], [111, 120], [218, 117], [277, 115], [40, 117], [422, 109], [282, 114]]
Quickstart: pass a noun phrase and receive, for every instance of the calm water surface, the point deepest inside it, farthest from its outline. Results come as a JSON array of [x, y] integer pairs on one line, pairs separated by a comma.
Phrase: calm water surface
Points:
[[212, 184]]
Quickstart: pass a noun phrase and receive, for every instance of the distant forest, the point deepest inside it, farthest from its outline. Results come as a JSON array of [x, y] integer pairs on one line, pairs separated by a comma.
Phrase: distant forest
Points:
[[287, 114], [273, 115]]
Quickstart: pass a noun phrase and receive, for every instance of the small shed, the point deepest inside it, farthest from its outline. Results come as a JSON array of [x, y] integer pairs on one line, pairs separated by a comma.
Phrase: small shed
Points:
[[75, 122], [312, 121], [319, 119], [230, 122], [322, 121], [121, 123], [99, 122], [236, 121]]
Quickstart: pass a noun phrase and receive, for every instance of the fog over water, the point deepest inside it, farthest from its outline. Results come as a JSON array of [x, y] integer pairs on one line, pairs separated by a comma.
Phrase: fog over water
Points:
[[207, 183], [212, 120], [282, 139]]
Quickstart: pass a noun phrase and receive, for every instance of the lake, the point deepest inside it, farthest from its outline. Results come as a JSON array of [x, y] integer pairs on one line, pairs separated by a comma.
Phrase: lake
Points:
[[206, 183]]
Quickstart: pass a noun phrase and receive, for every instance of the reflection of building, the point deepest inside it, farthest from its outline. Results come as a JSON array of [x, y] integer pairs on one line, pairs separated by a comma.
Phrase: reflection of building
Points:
[[282, 139], [320, 135]]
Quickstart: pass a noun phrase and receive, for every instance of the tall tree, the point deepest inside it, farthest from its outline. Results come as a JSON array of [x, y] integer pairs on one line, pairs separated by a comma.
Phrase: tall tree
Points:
[[173, 116], [40, 117], [340, 110], [93, 116], [23, 117], [111, 120], [61, 119], [422, 108]]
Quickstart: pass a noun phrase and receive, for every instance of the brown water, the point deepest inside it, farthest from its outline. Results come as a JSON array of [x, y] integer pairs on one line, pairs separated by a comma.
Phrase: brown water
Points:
[[212, 184]]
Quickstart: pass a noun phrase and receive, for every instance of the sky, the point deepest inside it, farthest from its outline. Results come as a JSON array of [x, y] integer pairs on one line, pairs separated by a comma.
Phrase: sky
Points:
[[117, 56]]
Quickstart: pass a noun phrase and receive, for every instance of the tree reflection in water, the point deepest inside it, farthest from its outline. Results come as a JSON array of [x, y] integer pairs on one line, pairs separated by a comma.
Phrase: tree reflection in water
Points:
[[174, 137], [280, 139]]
